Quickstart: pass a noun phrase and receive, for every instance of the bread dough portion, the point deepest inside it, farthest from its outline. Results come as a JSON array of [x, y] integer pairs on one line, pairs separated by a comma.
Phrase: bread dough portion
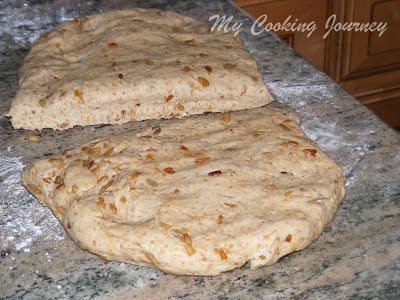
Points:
[[130, 65], [197, 196]]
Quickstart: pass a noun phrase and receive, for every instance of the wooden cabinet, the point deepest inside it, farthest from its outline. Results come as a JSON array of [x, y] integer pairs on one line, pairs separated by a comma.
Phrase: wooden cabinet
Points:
[[364, 63]]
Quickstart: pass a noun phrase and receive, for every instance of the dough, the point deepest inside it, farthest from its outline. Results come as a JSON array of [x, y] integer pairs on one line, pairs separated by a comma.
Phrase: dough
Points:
[[130, 65], [197, 196]]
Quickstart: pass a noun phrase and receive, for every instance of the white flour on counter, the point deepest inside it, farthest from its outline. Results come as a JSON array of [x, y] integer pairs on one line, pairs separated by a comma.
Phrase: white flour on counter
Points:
[[31, 222]]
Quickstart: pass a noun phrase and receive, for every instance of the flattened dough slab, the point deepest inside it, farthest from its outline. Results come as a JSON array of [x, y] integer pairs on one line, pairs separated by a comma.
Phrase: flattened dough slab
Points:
[[199, 195], [131, 65]]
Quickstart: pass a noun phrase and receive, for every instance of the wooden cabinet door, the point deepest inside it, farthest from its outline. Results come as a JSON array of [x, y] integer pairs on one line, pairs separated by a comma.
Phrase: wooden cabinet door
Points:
[[311, 48], [366, 65]]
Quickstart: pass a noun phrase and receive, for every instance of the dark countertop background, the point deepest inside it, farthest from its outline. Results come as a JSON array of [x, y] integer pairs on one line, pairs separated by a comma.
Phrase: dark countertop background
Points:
[[356, 257]]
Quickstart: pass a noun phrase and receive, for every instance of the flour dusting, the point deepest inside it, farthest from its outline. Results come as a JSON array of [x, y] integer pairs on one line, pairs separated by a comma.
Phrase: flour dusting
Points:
[[23, 219]]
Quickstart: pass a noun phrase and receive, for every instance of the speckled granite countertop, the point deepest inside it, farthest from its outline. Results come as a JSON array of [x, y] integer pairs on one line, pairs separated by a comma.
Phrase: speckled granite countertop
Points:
[[357, 256]]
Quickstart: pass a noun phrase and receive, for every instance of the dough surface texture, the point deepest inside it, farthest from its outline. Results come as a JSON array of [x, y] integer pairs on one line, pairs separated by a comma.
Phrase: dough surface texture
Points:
[[132, 65], [196, 196]]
